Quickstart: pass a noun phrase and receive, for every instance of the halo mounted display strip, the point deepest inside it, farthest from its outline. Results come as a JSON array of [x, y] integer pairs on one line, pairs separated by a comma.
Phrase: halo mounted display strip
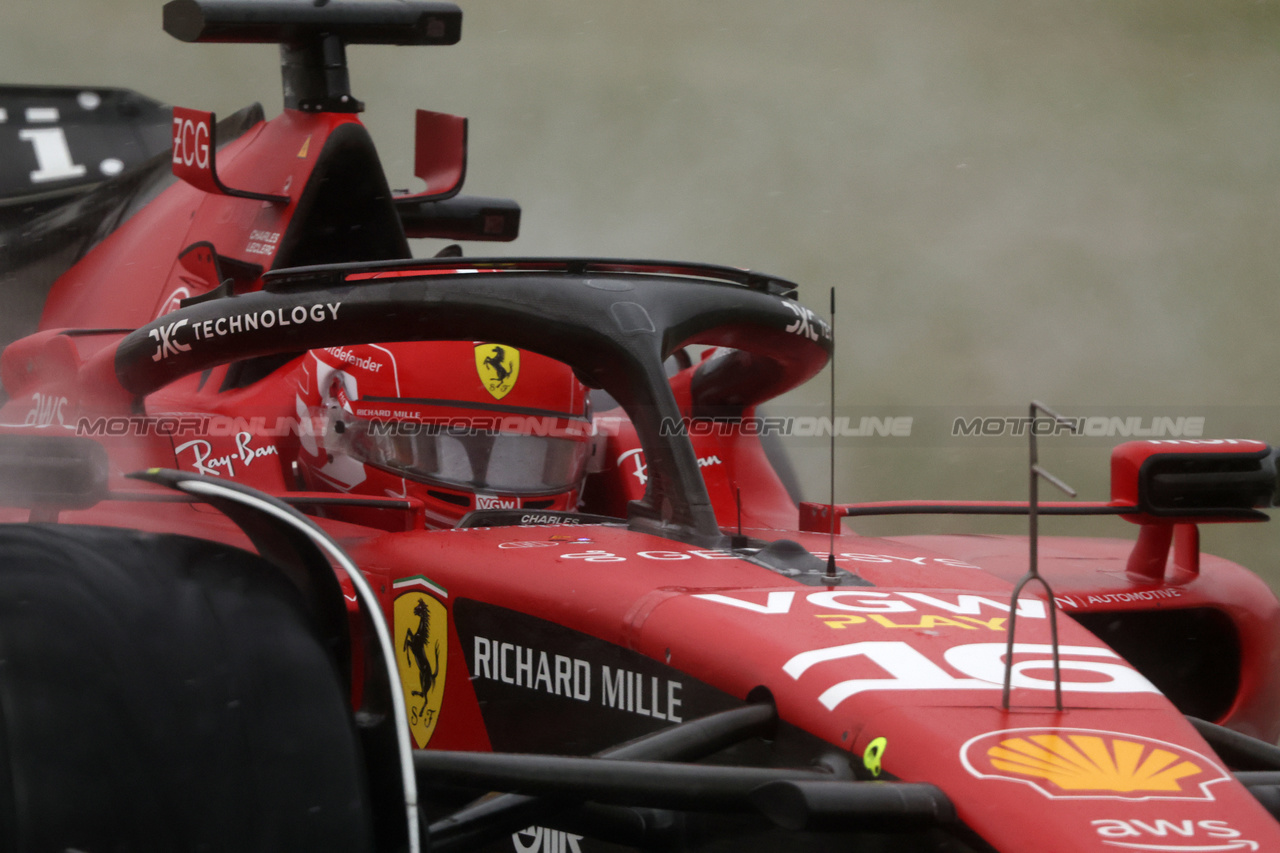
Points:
[[408, 267]]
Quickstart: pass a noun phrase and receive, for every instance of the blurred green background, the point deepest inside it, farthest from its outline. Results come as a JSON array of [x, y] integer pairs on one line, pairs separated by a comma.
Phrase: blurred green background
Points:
[[1069, 201]]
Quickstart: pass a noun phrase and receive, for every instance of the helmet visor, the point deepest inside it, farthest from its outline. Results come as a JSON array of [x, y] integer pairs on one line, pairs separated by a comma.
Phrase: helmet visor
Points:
[[476, 460]]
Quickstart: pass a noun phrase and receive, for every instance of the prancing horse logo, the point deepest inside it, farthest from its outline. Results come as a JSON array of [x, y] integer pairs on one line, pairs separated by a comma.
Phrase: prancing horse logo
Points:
[[499, 368], [422, 621], [416, 642]]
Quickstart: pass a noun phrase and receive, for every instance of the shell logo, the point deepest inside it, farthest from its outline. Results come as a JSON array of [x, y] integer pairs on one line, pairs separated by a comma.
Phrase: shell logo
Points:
[[1088, 763]]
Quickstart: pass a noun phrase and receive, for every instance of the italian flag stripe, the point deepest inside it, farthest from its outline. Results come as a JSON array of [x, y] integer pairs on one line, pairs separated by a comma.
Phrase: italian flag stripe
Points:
[[419, 580]]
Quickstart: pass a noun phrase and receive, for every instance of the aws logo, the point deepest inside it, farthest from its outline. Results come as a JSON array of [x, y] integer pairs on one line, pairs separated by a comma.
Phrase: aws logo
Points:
[[545, 840], [1063, 763], [422, 623], [499, 367], [1172, 836]]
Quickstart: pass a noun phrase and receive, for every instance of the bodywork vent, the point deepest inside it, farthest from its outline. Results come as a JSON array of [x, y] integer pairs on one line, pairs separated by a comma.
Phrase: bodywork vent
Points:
[[1191, 654]]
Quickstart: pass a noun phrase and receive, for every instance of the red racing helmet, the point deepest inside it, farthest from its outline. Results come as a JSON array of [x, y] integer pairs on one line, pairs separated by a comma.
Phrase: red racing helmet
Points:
[[460, 425]]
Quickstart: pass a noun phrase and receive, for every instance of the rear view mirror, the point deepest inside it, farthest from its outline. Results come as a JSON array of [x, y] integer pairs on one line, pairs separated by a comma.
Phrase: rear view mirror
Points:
[[1194, 481]]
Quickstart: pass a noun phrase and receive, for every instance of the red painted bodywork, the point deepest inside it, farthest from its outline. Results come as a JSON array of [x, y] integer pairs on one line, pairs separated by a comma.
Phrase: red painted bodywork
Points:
[[918, 673]]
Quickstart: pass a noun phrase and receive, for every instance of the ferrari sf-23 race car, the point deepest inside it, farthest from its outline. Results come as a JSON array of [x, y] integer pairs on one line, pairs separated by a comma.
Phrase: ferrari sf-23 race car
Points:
[[311, 544]]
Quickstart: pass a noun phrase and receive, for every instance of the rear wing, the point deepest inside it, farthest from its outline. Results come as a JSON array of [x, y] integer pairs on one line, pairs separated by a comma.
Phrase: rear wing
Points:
[[313, 37]]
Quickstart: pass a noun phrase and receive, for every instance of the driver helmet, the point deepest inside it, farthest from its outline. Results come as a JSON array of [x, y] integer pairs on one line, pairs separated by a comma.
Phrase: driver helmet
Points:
[[460, 425]]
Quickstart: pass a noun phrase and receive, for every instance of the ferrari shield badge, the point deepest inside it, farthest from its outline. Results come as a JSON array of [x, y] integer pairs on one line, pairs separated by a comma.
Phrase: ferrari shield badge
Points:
[[499, 367], [421, 624]]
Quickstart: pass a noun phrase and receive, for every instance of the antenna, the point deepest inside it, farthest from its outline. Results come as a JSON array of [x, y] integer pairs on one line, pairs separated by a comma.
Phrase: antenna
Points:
[[831, 577], [1035, 472], [737, 497], [739, 541]]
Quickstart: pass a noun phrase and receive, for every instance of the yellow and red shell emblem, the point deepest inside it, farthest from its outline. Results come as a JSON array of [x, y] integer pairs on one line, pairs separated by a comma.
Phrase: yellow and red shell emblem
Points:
[[1089, 763]]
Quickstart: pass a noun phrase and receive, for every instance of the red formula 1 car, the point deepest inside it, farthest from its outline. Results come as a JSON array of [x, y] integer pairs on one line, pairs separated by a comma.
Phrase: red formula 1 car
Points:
[[311, 544]]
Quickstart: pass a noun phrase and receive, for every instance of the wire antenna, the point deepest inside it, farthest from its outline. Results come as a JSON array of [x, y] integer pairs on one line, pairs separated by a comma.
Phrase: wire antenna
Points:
[[831, 577], [1035, 472], [737, 496], [738, 541]]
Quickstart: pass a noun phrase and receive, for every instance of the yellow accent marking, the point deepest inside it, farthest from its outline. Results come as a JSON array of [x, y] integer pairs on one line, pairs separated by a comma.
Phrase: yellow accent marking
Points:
[[995, 624], [873, 756], [927, 621], [840, 621], [306, 145]]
